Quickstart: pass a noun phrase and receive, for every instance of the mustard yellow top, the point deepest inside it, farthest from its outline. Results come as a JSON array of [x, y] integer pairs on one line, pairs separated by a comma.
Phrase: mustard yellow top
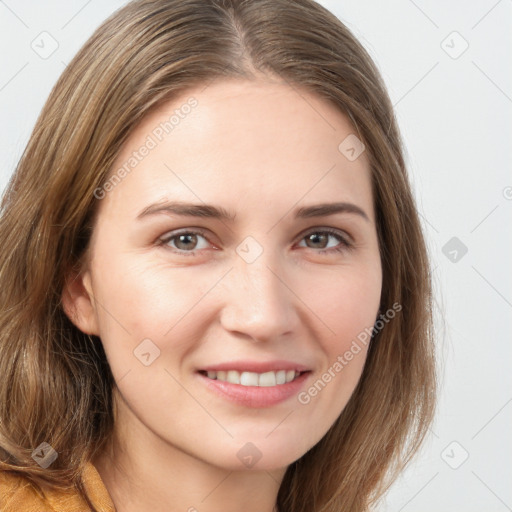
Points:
[[18, 495]]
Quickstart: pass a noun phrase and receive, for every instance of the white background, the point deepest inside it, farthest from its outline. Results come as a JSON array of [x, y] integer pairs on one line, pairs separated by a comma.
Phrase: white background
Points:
[[456, 119]]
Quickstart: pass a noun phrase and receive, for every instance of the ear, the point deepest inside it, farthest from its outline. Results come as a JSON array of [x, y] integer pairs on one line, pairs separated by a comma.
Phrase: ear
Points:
[[78, 301]]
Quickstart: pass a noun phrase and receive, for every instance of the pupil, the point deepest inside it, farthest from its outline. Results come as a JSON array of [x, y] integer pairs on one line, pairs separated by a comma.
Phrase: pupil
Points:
[[181, 239], [315, 236]]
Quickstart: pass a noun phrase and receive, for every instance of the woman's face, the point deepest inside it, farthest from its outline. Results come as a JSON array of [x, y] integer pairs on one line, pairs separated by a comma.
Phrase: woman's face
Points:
[[211, 254]]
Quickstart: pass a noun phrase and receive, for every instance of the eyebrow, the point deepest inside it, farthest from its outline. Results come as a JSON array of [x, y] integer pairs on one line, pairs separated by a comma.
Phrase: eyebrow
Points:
[[218, 212]]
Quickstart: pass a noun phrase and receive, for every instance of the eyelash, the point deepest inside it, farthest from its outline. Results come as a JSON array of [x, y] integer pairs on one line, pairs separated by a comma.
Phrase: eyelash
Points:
[[345, 244]]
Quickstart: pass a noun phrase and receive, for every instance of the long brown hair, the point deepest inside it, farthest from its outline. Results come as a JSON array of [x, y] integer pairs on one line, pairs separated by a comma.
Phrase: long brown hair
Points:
[[56, 384]]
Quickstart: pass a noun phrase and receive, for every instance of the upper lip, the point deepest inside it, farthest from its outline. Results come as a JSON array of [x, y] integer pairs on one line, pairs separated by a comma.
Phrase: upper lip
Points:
[[256, 366]]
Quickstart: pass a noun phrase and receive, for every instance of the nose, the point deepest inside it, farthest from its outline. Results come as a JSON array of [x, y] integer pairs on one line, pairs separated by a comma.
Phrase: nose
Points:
[[259, 303]]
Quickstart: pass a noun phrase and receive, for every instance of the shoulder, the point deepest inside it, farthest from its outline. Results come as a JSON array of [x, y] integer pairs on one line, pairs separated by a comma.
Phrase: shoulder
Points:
[[17, 493]]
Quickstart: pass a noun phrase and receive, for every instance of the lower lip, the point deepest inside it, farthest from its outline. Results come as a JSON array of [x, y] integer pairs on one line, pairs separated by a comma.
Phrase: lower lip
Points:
[[255, 396]]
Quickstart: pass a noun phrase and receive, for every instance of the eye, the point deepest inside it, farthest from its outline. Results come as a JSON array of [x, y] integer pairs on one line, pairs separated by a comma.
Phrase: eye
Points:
[[321, 238], [185, 242]]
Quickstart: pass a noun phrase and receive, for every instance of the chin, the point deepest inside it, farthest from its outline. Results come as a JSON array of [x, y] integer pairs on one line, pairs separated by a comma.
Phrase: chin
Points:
[[261, 453]]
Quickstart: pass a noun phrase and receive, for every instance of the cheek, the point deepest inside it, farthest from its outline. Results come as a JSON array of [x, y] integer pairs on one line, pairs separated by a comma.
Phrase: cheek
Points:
[[349, 309], [139, 301], [349, 306]]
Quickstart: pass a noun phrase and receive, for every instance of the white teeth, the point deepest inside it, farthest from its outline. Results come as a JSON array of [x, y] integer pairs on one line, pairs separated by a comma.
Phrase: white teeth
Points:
[[249, 379], [233, 376], [266, 379]]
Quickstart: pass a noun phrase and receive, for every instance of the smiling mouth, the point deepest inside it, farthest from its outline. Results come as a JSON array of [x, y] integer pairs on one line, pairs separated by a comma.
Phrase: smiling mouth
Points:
[[266, 379]]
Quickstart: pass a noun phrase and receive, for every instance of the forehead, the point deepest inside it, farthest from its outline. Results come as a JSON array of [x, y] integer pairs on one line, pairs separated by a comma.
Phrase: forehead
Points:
[[232, 139]]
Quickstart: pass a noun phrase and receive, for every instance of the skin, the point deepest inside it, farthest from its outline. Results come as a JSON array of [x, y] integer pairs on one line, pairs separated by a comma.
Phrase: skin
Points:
[[259, 149]]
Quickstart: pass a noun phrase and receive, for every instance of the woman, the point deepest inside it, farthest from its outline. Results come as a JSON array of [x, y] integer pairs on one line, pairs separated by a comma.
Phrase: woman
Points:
[[215, 288]]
